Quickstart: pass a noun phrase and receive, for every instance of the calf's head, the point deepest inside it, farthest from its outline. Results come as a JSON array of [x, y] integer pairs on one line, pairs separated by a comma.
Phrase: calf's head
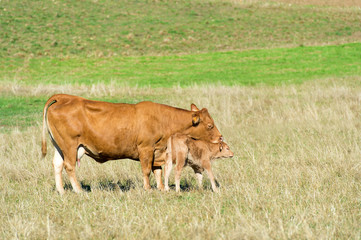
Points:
[[224, 151], [203, 126]]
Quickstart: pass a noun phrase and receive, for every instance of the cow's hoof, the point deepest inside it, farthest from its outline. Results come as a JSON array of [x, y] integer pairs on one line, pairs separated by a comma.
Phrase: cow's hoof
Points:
[[61, 193]]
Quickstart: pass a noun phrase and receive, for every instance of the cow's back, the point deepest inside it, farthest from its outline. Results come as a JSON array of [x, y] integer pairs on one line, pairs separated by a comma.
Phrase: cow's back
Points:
[[106, 130]]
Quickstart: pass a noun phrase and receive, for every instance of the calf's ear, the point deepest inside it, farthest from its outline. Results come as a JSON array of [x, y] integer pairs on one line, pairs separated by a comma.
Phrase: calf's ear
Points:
[[194, 108], [195, 119]]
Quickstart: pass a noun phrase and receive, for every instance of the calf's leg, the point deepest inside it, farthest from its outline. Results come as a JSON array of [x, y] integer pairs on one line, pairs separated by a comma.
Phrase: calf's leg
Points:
[[199, 177], [208, 168], [181, 158], [178, 172], [167, 170]]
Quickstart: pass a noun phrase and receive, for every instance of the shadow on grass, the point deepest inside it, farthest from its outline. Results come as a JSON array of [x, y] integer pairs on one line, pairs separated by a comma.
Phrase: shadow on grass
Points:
[[126, 185], [123, 186], [184, 187], [106, 185], [188, 186]]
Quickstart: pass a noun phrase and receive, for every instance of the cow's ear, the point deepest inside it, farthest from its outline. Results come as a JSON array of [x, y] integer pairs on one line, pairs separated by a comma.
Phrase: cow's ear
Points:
[[194, 108], [195, 119]]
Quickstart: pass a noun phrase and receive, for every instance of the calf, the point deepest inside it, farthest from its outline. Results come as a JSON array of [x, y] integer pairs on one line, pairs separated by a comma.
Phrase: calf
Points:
[[198, 154]]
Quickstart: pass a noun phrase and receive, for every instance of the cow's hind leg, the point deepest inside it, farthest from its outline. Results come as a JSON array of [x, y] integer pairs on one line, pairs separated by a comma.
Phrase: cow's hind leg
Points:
[[58, 164], [69, 164], [158, 177]]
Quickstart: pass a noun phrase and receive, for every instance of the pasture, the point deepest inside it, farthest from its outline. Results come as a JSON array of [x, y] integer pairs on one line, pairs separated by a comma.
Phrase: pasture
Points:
[[285, 93]]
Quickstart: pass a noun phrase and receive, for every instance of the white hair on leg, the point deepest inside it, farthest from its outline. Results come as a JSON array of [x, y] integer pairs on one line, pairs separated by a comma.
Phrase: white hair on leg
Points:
[[58, 164]]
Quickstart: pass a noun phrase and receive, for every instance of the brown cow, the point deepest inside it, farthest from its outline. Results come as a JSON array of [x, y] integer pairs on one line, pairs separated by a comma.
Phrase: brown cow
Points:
[[183, 150], [108, 131]]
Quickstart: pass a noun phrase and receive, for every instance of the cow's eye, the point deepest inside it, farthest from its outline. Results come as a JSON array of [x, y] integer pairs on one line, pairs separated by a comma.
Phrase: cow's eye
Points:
[[210, 126]]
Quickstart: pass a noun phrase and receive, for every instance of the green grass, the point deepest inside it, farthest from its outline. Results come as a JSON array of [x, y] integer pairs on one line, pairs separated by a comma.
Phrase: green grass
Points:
[[107, 28], [19, 111], [268, 66]]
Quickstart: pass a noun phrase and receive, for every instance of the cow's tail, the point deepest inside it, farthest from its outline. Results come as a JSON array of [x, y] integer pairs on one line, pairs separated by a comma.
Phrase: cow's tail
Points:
[[45, 126]]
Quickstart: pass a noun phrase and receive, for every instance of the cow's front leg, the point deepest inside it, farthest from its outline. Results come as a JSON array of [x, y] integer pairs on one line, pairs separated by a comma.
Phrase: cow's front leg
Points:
[[157, 170], [70, 170], [146, 161]]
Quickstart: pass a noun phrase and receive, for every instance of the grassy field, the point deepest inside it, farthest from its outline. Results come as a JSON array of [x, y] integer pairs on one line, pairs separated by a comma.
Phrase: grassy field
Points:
[[295, 174], [271, 67], [282, 80]]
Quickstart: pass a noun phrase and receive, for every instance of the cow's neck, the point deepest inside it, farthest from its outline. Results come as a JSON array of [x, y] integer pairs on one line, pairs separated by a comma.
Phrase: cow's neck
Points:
[[181, 122]]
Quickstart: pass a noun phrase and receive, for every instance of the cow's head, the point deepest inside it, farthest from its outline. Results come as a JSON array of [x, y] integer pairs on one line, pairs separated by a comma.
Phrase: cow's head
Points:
[[203, 126], [224, 151]]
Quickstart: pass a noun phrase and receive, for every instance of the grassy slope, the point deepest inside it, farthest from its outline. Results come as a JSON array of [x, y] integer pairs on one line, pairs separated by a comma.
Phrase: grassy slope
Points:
[[98, 28], [65, 42]]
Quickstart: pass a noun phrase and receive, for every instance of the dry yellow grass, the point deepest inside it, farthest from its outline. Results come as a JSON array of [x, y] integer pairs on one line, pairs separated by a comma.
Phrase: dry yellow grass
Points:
[[334, 3], [327, 3], [296, 173]]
